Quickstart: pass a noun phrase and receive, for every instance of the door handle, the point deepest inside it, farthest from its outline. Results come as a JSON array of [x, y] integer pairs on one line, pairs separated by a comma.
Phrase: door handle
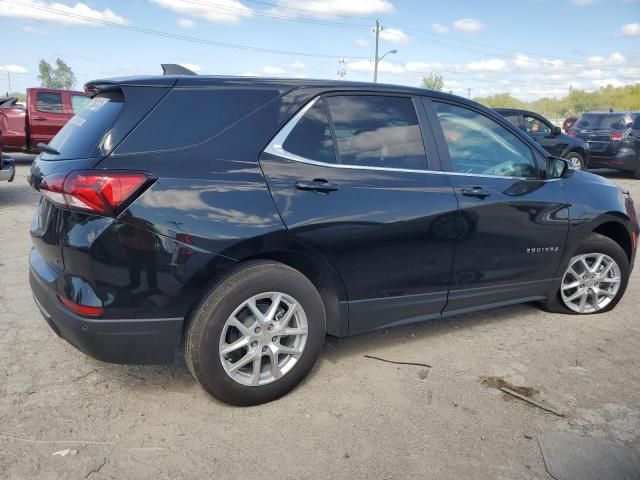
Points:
[[478, 192], [39, 118], [317, 185]]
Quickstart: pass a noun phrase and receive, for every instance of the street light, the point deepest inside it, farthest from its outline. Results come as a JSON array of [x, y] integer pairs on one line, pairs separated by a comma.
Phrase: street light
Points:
[[378, 59]]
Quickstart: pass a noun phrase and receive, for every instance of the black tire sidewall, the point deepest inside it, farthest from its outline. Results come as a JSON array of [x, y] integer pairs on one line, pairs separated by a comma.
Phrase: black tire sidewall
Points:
[[594, 243], [203, 335]]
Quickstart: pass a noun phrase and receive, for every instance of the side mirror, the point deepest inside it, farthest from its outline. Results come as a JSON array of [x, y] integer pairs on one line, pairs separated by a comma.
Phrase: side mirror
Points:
[[556, 131], [557, 167]]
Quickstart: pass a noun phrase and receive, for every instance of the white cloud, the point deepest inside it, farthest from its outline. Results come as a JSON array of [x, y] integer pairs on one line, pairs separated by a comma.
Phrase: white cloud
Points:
[[583, 3], [615, 58], [490, 65], [361, 42], [383, 67], [271, 70], [631, 73], [630, 30], [438, 28], [44, 12], [297, 65], [224, 11], [192, 66], [394, 35], [468, 25], [608, 81], [186, 23], [331, 8], [13, 69]]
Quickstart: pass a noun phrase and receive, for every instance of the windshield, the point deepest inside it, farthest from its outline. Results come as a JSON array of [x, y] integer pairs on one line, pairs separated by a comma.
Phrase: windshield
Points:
[[604, 121], [81, 134]]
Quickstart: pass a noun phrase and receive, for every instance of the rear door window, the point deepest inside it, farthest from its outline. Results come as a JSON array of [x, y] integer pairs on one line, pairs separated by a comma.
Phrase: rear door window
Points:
[[377, 131], [78, 102], [49, 102], [81, 134], [311, 137]]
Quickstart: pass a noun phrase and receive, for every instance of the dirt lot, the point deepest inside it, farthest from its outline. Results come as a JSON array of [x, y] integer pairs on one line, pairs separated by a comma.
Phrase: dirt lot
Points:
[[353, 417]]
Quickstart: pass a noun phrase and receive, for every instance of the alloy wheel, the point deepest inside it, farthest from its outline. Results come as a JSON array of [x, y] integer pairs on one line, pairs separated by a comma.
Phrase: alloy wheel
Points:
[[575, 163], [590, 282], [263, 338]]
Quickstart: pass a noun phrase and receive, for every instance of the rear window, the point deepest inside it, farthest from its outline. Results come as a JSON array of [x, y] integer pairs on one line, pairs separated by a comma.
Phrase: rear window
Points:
[[604, 121], [81, 134], [186, 117]]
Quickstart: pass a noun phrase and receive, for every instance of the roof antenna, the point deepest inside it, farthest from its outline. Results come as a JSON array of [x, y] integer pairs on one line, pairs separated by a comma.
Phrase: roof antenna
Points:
[[175, 69]]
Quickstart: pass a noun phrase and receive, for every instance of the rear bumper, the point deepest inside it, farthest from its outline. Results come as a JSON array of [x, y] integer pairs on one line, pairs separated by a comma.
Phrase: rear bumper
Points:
[[626, 159], [7, 170], [129, 341]]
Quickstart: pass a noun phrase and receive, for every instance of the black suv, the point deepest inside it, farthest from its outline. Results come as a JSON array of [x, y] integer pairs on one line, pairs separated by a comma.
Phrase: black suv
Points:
[[559, 144], [245, 218], [614, 139]]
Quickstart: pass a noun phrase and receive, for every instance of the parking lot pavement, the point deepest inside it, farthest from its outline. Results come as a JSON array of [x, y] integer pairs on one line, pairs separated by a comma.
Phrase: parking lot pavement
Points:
[[353, 417]]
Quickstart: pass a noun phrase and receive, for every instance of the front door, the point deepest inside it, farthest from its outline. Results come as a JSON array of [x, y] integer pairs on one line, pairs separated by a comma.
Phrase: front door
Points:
[[543, 133], [513, 223], [358, 190]]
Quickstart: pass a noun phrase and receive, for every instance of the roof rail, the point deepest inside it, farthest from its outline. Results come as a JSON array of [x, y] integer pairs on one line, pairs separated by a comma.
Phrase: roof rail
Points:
[[175, 69]]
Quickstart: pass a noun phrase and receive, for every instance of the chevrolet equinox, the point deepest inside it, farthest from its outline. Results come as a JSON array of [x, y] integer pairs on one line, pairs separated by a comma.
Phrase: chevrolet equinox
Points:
[[243, 219]]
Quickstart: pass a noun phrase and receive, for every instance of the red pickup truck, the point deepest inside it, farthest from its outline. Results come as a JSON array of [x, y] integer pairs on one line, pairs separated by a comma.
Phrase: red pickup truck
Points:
[[46, 112]]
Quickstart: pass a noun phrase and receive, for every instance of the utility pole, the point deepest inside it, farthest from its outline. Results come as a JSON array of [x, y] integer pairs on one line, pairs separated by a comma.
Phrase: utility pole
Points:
[[9, 77], [375, 66], [469, 92], [342, 68]]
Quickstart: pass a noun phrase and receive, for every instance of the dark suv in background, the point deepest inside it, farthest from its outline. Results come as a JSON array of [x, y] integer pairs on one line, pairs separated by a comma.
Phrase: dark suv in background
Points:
[[614, 139], [550, 137], [245, 218]]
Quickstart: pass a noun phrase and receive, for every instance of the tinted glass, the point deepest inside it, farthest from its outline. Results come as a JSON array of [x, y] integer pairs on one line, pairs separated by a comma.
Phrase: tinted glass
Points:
[[535, 125], [311, 137], [479, 145], [82, 133], [78, 102], [604, 121], [49, 102], [186, 117], [513, 118], [377, 131]]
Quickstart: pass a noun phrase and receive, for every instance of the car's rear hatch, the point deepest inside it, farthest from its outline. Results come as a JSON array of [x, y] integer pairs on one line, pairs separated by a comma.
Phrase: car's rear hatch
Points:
[[81, 144], [603, 132]]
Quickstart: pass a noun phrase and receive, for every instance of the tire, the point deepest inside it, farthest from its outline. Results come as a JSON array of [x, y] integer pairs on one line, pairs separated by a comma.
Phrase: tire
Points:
[[593, 244], [204, 338], [575, 159]]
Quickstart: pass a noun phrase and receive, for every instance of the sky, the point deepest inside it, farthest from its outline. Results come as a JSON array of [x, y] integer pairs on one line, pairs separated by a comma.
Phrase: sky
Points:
[[529, 48]]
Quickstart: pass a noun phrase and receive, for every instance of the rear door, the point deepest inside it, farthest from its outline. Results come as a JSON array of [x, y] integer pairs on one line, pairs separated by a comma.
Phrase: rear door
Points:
[[513, 224], [542, 132], [47, 115], [360, 189]]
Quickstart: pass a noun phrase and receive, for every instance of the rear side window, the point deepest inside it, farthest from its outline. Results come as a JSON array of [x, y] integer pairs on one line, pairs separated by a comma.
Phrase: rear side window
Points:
[[186, 117], [81, 134], [78, 102], [311, 137], [50, 102], [377, 131]]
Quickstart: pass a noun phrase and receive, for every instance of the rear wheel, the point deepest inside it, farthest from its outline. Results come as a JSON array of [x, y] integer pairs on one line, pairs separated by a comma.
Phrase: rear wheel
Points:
[[256, 334], [594, 280], [576, 161]]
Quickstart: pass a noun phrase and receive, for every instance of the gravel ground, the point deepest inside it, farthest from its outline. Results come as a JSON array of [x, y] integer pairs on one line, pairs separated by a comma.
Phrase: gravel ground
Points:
[[353, 417]]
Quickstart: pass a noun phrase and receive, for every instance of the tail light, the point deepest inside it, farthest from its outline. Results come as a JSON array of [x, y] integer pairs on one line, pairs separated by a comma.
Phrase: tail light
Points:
[[83, 310], [572, 133], [616, 136], [102, 192]]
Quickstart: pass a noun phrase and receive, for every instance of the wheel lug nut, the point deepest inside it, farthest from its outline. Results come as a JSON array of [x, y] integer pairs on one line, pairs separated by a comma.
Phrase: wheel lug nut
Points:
[[264, 349], [254, 344], [258, 330], [270, 327], [274, 339]]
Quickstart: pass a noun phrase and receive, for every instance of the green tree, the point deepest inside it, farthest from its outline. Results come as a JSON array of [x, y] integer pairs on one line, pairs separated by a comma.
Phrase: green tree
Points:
[[433, 81], [61, 77], [503, 100]]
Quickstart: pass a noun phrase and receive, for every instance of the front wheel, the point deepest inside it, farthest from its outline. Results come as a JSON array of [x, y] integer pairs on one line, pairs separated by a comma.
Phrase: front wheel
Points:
[[256, 334], [595, 279], [576, 161]]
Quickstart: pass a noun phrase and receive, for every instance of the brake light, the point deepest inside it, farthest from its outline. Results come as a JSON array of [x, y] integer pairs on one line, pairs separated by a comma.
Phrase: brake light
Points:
[[616, 136], [572, 133], [102, 192], [81, 309]]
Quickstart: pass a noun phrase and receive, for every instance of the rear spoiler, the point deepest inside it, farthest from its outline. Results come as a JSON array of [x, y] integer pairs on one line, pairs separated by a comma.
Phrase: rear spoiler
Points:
[[113, 84], [175, 69]]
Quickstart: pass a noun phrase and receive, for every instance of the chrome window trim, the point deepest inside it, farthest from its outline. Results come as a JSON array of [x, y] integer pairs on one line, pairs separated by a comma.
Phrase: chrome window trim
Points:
[[275, 148]]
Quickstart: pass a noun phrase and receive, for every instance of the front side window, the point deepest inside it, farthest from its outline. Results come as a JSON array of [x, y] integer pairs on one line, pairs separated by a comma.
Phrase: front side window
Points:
[[479, 145], [311, 137], [535, 125], [78, 102], [49, 102], [377, 131]]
